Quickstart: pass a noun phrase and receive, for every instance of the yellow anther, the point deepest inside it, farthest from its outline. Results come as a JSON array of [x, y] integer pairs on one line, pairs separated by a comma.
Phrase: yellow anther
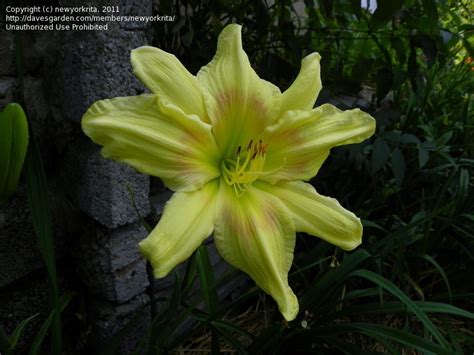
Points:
[[246, 167]]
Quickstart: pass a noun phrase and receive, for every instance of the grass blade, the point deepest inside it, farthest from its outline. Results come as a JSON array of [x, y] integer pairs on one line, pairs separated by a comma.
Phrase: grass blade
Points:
[[321, 289], [41, 216], [401, 336], [15, 337], [4, 343], [209, 291], [394, 307], [38, 340], [438, 267], [390, 287], [114, 344], [206, 279]]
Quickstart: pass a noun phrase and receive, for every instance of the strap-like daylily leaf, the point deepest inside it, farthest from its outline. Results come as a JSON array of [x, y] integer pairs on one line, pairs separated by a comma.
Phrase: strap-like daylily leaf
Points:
[[13, 146]]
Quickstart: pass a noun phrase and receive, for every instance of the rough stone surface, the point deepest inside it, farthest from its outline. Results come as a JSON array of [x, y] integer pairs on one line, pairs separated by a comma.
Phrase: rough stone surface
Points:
[[160, 197], [98, 186], [29, 297], [7, 64], [108, 319], [96, 64], [19, 253], [21, 302], [135, 7], [38, 109], [34, 96], [164, 286], [228, 288], [65, 72], [7, 90], [110, 263]]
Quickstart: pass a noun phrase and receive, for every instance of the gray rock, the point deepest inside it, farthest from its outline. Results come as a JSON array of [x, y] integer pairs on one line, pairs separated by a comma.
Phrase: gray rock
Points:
[[31, 57], [228, 288], [29, 297], [98, 186], [159, 198], [38, 109], [135, 8], [18, 303], [7, 64], [110, 263], [96, 64], [19, 253], [7, 90], [97, 67], [108, 319]]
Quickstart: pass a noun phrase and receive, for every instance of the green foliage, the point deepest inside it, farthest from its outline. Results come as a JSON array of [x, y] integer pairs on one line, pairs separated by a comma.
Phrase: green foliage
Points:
[[412, 183], [13, 146], [18, 147], [8, 343], [41, 216]]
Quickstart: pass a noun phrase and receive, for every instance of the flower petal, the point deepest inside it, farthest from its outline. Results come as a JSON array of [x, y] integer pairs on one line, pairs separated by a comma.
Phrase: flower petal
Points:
[[300, 141], [304, 91], [156, 138], [164, 75], [240, 105], [318, 215], [255, 233], [187, 220]]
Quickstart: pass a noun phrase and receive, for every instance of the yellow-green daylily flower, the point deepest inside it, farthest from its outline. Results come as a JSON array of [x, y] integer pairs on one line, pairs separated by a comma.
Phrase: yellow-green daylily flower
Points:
[[236, 151]]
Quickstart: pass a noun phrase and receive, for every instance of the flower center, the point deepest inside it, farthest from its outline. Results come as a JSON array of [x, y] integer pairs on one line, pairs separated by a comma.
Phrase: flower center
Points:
[[246, 167]]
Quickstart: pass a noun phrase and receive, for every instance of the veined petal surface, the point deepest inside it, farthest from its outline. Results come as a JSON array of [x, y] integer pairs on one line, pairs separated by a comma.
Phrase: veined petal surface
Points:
[[318, 215], [187, 220], [303, 92], [156, 138], [255, 233], [164, 75], [240, 105], [300, 141]]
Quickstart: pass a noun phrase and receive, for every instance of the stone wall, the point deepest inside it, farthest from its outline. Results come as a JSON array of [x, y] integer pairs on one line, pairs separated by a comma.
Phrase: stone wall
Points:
[[96, 227]]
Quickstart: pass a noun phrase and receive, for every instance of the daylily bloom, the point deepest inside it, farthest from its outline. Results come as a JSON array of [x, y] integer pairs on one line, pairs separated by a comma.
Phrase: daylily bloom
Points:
[[235, 150]]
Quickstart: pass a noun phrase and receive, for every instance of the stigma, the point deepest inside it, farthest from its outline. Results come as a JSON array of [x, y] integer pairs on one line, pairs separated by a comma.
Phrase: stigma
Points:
[[246, 166]]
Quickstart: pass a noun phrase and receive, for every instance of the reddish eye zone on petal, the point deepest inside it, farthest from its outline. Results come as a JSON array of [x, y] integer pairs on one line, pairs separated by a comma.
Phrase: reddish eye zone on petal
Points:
[[233, 100]]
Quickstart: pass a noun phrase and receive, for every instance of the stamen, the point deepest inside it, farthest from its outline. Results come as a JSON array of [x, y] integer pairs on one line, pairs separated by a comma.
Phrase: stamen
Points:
[[246, 167], [250, 145]]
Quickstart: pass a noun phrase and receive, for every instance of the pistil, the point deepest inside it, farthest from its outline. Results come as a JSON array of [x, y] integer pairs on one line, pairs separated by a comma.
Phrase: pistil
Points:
[[246, 167]]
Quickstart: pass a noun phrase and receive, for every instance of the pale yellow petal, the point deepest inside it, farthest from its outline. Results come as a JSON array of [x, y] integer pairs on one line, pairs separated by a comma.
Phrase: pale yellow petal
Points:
[[255, 233], [304, 91], [318, 215], [156, 138], [187, 220], [300, 141], [240, 105], [165, 76]]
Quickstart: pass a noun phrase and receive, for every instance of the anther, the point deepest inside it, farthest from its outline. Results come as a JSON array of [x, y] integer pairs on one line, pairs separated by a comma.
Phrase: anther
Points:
[[250, 145], [246, 167]]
